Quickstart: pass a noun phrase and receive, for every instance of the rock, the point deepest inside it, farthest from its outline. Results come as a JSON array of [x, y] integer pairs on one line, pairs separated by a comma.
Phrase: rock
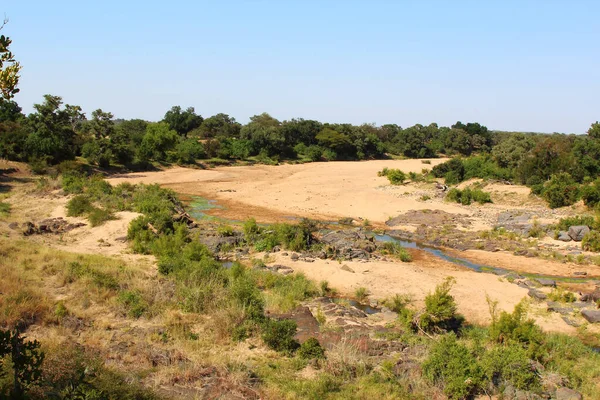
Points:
[[50, 225], [577, 232], [564, 393], [570, 321], [285, 254], [546, 282], [13, 225], [580, 273], [564, 236], [347, 268], [536, 294], [591, 297], [294, 257], [591, 316], [556, 307]]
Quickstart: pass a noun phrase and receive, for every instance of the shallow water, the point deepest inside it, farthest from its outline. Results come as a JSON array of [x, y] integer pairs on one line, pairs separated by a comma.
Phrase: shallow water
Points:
[[471, 265], [199, 205]]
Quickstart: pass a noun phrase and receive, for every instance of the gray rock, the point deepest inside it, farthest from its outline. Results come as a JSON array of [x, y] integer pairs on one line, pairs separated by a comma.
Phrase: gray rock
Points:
[[591, 316], [536, 294], [546, 282], [294, 257], [580, 273], [570, 321], [558, 308], [577, 232], [564, 236], [567, 394]]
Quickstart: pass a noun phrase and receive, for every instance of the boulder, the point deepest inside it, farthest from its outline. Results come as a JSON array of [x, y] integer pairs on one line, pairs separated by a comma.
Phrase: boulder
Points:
[[577, 232], [536, 294], [591, 297], [546, 282], [557, 308], [564, 393], [591, 316], [564, 236]]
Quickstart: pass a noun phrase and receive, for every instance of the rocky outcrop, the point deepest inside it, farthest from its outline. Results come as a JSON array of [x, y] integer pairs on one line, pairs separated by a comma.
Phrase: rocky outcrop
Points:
[[50, 225], [577, 232], [349, 244], [591, 316], [564, 236]]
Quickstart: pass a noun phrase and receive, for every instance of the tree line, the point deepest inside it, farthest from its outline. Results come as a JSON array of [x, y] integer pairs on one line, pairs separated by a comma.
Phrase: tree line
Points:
[[56, 132]]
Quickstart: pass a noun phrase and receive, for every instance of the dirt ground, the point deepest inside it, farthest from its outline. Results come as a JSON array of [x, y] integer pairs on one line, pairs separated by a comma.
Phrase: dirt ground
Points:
[[419, 278], [329, 191]]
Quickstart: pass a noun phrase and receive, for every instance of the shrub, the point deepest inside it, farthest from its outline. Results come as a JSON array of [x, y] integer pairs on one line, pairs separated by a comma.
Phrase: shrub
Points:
[[559, 294], [452, 170], [440, 310], [397, 303], [396, 250], [503, 365], [396, 177], [225, 231], [311, 349], [97, 216], [565, 223], [561, 190], [134, 302], [279, 335], [73, 182], [468, 195], [251, 230], [515, 328], [451, 364], [591, 194], [591, 241], [361, 293], [78, 206]]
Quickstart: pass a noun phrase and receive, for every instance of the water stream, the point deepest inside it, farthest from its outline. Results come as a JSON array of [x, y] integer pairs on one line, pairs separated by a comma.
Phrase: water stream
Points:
[[199, 205]]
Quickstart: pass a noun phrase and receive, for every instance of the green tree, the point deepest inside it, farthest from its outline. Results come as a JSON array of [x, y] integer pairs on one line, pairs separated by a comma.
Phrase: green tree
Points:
[[157, 141], [220, 125], [561, 190], [26, 361], [52, 136], [594, 131], [9, 67], [182, 122]]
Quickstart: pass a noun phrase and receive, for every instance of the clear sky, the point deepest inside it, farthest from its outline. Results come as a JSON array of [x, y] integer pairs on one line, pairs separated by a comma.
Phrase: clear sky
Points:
[[510, 65]]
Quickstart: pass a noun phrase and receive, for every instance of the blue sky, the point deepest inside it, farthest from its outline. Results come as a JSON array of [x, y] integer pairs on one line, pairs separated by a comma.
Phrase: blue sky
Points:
[[511, 65]]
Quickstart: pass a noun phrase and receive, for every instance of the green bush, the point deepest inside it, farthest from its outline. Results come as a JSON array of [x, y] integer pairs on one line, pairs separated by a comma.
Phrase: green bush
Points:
[[561, 190], [396, 250], [251, 230], [440, 313], [395, 176], [361, 293], [311, 349], [565, 223], [134, 302], [225, 231], [451, 364], [510, 364], [452, 170], [591, 241], [98, 216], [279, 335], [468, 195], [515, 327], [78, 206]]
